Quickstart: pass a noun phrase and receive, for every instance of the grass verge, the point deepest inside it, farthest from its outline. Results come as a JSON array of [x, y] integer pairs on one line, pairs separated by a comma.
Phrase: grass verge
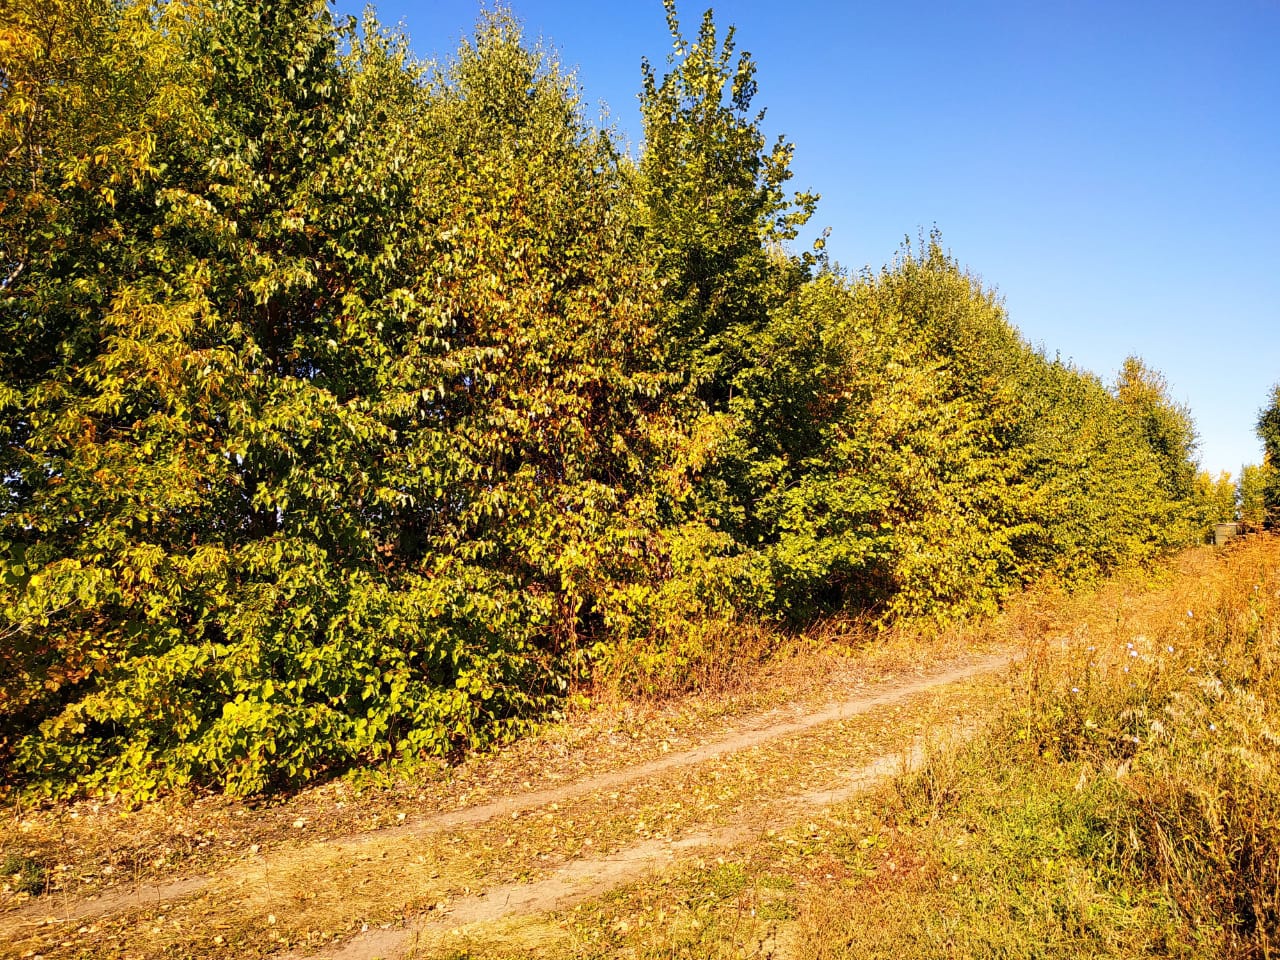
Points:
[[1123, 802]]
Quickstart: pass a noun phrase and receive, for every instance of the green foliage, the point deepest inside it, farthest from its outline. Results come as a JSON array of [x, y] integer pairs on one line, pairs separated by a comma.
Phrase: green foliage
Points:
[[714, 208], [25, 874], [825, 494], [249, 533], [1269, 433], [549, 403], [1216, 499], [953, 463], [1098, 466], [939, 382], [353, 407], [1166, 425], [1251, 494], [1169, 433]]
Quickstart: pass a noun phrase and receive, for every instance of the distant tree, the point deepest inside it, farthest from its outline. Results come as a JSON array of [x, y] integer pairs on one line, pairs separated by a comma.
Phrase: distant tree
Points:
[[957, 463], [1216, 498], [1269, 432], [1166, 424], [1252, 494]]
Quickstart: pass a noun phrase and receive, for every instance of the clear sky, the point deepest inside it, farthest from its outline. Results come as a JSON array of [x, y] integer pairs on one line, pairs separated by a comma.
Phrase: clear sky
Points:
[[1112, 167]]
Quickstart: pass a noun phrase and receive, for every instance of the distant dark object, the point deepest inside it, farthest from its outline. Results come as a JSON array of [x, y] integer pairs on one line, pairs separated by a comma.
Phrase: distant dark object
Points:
[[1222, 532]]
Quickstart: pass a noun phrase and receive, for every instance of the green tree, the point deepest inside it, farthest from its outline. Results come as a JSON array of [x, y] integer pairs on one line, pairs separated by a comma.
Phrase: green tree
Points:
[[1167, 426], [1217, 499], [364, 430], [993, 466], [203, 577], [716, 218], [549, 427], [1269, 432], [1251, 494], [942, 415], [1097, 488], [715, 208], [352, 404], [94, 93]]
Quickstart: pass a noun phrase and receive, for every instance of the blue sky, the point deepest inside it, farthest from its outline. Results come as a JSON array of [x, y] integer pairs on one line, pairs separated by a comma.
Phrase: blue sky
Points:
[[1112, 168]]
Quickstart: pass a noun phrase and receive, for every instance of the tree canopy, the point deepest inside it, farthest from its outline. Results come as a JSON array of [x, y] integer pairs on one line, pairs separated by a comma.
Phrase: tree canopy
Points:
[[351, 406]]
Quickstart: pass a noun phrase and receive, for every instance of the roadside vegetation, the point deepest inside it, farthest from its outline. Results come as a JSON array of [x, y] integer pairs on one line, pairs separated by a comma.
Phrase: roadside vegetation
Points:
[[1110, 797], [1260, 485], [1120, 803], [354, 410]]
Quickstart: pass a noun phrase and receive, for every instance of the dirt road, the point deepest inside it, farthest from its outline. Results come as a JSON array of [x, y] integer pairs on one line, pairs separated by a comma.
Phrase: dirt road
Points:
[[413, 889]]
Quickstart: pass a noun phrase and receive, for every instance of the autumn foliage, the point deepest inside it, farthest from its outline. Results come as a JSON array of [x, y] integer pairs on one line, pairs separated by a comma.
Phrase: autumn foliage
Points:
[[351, 406]]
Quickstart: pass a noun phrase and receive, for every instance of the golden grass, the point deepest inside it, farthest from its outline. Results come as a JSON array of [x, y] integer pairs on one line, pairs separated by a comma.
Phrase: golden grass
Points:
[[320, 895], [1122, 802]]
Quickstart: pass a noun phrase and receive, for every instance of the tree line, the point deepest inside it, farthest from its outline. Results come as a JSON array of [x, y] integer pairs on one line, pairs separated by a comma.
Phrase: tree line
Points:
[[352, 406]]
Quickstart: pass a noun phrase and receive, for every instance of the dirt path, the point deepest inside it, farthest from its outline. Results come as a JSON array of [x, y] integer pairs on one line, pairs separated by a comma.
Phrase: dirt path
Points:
[[431, 862], [582, 880], [753, 736]]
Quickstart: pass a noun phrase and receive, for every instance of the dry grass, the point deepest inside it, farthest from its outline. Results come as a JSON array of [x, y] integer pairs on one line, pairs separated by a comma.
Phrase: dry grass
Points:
[[1122, 803], [300, 890], [325, 894]]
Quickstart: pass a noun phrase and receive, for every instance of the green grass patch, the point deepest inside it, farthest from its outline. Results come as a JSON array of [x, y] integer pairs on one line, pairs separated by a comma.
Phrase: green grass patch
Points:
[[23, 874]]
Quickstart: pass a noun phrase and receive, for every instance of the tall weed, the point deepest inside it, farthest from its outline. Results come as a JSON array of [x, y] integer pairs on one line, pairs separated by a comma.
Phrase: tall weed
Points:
[[1173, 697], [1122, 802]]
